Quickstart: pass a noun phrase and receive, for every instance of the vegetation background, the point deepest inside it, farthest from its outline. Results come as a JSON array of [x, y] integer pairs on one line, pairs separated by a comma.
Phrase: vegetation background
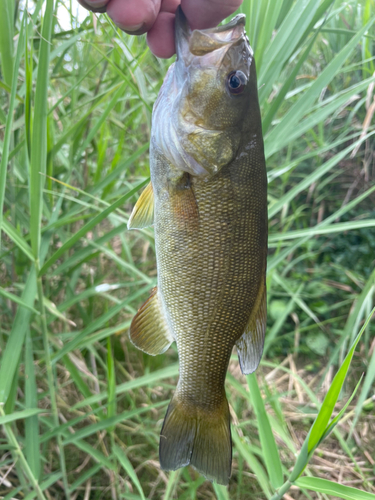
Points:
[[80, 407]]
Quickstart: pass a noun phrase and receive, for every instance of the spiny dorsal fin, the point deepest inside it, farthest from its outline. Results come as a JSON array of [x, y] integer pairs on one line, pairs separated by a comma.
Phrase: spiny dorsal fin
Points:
[[149, 330], [143, 211], [250, 345]]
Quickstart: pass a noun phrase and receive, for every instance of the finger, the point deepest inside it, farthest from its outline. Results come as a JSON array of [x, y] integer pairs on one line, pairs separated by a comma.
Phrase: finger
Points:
[[169, 6], [134, 16], [202, 14], [160, 38], [94, 5]]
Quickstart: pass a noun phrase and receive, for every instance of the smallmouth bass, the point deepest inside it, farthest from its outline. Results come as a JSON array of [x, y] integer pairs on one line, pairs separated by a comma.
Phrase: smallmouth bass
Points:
[[208, 202]]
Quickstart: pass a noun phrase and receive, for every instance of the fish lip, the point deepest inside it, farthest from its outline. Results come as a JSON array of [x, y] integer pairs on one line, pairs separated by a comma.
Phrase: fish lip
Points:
[[186, 39], [238, 20], [182, 33]]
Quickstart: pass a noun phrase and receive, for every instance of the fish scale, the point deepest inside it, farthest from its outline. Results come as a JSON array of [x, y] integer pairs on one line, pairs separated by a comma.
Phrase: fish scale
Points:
[[208, 202], [221, 259]]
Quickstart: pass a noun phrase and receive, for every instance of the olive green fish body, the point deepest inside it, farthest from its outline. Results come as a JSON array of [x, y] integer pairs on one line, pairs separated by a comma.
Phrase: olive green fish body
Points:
[[209, 203], [211, 265]]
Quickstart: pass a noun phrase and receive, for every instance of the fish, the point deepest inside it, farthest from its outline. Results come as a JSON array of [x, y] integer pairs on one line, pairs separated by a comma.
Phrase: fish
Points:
[[207, 200]]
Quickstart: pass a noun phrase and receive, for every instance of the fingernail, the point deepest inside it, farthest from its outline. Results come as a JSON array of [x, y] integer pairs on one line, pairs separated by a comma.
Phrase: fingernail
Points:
[[96, 3], [131, 29]]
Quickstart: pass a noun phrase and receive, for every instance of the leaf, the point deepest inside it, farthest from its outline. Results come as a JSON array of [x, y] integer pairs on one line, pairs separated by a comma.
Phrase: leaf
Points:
[[17, 239], [119, 169], [6, 42], [367, 384], [320, 425], [331, 488], [111, 382], [278, 137], [127, 466], [115, 98], [221, 491], [338, 417], [171, 485], [38, 156], [83, 478], [93, 326], [49, 481], [19, 415], [313, 177], [17, 300], [283, 45], [107, 423], [90, 225], [85, 252], [51, 307], [252, 462], [339, 227], [145, 380], [13, 348], [95, 454], [32, 444], [6, 49], [267, 440]]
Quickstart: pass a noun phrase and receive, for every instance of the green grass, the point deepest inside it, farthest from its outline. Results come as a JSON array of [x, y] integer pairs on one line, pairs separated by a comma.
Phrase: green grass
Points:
[[80, 408]]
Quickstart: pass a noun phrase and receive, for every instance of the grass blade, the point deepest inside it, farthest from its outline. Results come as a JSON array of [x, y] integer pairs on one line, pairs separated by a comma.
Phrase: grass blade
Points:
[[321, 422], [38, 160], [16, 450], [367, 384], [19, 415], [90, 225], [331, 488], [17, 239], [221, 491], [6, 60], [313, 177], [6, 40], [111, 381], [252, 462], [128, 468], [145, 380], [278, 137], [172, 483], [13, 348], [32, 450], [17, 300], [267, 440]]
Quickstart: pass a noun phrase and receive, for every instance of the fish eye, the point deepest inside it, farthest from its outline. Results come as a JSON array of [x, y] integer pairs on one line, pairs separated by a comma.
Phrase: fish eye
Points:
[[236, 82]]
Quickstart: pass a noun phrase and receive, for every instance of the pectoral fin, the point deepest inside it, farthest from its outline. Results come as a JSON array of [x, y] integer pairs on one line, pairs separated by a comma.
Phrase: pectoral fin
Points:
[[143, 211], [250, 345], [185, 208], [149, 330]]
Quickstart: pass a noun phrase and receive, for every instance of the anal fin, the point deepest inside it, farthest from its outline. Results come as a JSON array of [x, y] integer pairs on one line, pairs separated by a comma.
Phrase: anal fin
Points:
[[149, 330], [143, 211], [250, 344]]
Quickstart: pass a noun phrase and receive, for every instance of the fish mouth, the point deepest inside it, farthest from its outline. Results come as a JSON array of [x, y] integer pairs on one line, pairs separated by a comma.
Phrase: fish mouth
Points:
[[200, 42]]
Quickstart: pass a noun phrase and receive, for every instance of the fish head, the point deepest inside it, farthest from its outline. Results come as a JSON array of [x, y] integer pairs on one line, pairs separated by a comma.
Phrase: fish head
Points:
[[208, 104]]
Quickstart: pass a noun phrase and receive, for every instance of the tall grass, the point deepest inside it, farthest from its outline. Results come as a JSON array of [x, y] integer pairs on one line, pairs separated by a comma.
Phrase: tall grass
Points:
[[80, 408]]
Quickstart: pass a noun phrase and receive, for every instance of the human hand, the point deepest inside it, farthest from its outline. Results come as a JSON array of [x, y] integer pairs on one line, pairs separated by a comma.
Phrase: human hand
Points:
[[156, 17]]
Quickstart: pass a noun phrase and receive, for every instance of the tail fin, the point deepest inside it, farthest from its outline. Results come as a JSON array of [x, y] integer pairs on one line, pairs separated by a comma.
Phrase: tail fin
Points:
[[199, 438]]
